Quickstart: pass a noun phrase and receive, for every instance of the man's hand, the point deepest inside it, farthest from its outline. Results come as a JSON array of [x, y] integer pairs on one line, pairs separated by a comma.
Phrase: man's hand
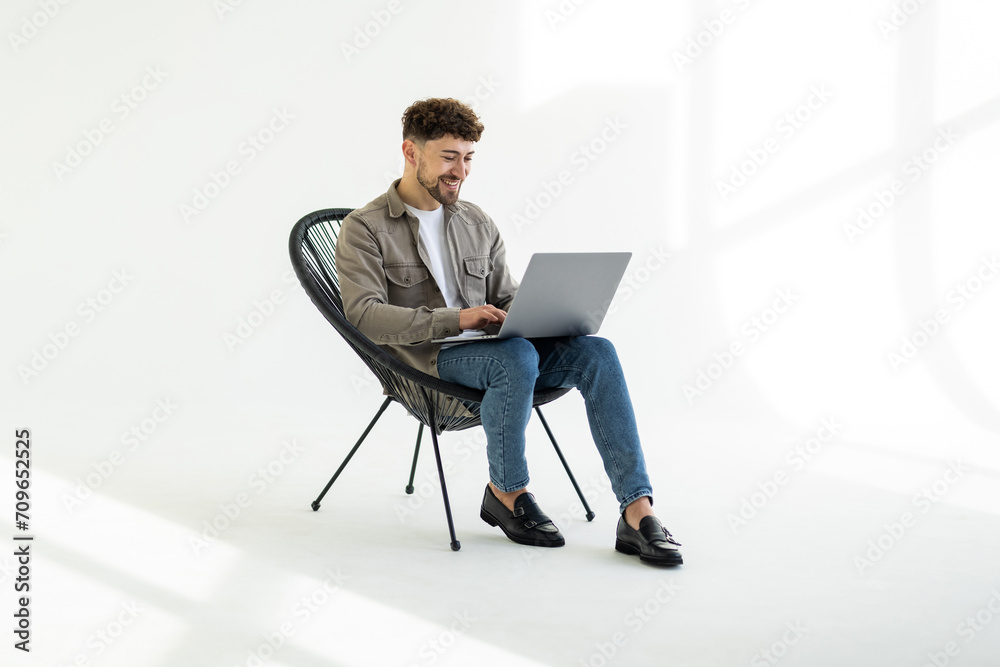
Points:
[[480, 317]]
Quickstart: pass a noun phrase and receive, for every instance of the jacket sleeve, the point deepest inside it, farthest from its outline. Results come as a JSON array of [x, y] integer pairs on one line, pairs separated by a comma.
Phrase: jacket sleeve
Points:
[[364, 290]]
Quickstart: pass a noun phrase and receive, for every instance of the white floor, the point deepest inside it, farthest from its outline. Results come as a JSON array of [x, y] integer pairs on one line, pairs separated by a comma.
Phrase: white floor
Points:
[[370, 580]]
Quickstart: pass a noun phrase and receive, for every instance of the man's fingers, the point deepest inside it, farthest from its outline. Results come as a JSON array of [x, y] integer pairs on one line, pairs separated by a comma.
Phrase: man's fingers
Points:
[[488, 314]]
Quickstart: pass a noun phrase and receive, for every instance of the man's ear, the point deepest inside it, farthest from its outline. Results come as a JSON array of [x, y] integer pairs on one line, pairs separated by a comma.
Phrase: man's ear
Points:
[[410, 149]]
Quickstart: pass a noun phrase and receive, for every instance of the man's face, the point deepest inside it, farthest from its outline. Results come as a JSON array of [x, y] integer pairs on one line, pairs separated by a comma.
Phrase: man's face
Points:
[[442, 165]]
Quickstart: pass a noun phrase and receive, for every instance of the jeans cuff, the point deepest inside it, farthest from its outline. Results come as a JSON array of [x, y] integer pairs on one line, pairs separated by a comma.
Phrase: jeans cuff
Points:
[[509, 488], [632, 497]]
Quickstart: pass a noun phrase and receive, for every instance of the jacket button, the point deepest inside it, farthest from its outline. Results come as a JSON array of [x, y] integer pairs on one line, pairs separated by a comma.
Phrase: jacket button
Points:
[[482, 271], [447, 330], [434, 362], [406, 280]]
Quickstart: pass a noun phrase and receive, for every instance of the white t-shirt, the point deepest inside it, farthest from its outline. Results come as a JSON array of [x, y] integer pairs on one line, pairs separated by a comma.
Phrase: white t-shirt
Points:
[[432, 234], [431, 230]]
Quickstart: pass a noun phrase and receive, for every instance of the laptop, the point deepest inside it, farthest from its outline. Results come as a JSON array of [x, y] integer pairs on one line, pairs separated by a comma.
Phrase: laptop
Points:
[[561, 294]]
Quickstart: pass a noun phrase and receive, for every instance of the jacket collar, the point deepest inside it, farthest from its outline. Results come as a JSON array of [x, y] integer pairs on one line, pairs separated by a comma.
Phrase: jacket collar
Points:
[[397, 208]]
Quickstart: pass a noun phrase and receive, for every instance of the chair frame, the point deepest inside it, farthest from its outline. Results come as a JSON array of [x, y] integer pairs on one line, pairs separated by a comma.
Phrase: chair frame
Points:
[[441, 405]]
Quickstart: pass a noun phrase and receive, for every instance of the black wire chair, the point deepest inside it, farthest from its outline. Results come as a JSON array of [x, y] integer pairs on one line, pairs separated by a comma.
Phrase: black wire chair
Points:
[[441, 405]]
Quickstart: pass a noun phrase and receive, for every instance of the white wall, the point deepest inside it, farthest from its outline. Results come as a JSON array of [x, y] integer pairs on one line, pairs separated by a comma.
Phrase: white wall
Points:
[[548, 78]]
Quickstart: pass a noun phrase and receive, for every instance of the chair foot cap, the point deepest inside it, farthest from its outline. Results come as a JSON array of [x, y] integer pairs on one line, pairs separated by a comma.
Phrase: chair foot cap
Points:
[[409, 489], [456, 545], [590, 516], [315, 505]]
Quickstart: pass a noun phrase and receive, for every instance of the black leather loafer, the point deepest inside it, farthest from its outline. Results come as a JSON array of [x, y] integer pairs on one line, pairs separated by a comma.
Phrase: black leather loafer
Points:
[[527, 524], [652, 542]]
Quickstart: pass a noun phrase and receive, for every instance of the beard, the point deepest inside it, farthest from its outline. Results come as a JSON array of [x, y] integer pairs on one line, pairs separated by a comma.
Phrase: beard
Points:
[[433, 187]]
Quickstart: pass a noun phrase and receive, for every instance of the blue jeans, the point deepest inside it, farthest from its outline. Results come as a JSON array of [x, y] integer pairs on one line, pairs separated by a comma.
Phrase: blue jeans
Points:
[[509, 371]]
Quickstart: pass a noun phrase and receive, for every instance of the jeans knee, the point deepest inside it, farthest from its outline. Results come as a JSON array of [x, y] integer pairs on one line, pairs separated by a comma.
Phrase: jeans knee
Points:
[[519, 359], [598, 348]]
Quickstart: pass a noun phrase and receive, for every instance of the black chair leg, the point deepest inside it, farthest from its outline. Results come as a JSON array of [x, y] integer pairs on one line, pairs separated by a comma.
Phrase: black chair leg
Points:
[[455, 544], [545, 425], [315, 503], [413, 468]]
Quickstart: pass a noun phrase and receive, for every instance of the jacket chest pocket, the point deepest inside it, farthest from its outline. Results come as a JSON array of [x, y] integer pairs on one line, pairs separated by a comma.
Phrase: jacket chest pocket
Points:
[[401, 279], [477, 270]]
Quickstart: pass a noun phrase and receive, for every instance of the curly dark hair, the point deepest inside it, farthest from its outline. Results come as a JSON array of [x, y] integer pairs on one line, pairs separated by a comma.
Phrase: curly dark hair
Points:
[[433, 118]]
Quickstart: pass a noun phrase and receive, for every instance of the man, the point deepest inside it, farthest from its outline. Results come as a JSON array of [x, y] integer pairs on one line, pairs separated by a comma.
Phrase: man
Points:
[[418, 263]]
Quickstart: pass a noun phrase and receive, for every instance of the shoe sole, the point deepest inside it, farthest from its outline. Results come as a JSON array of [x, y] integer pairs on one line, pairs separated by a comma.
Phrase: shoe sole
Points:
[[515, 538], [626, 548]]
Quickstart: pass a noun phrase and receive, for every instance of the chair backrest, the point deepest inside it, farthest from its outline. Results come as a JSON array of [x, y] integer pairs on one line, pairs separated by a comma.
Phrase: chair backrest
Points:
[[312, 247]]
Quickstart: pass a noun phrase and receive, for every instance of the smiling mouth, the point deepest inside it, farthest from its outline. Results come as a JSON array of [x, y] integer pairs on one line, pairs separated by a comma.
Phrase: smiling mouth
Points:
[[450, 184]]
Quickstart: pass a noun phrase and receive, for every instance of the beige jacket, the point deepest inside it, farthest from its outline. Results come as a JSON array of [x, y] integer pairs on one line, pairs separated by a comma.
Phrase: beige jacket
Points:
[[388, 290]]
